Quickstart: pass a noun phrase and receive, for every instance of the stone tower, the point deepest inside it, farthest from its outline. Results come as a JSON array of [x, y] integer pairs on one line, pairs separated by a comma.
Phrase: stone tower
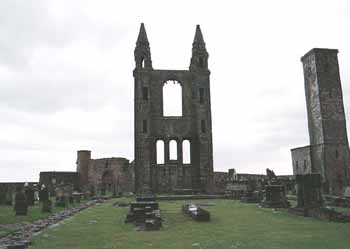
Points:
[[328, 153], [151, 126]]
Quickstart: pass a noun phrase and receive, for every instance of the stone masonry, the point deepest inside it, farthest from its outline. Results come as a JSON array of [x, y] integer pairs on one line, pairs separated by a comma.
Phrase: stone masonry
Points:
[[328, 153], [151, 125]]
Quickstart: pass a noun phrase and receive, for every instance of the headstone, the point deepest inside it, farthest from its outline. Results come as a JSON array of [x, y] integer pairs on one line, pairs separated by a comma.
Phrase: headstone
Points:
[[2, 196], [145, 214], [46, 206], [275, 197], [9, 196], [29, 192], [21, 206], [43, 194]]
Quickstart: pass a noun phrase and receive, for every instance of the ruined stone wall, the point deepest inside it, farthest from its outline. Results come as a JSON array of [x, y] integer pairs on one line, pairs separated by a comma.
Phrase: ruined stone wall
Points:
[[220, 181], [301, 159], [151, 125], [112, 174], [55, 178]]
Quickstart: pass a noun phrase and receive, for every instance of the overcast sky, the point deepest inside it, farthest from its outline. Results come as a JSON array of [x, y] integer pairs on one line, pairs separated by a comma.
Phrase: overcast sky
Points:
[[66, 76]]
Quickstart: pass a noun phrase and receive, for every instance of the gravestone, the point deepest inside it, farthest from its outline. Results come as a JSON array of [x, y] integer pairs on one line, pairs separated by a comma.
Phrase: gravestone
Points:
[[275, 197], [145, 214], [29, 192], [21, 206], [43, 194], [46, 206], [9, 196], [195, 212], [2, 196], [45, 200], [61, 197]]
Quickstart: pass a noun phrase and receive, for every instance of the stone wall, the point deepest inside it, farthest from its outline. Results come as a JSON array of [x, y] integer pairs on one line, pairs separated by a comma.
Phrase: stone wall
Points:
[[220, 181], [112, 174], [51, 179], [301, 159]]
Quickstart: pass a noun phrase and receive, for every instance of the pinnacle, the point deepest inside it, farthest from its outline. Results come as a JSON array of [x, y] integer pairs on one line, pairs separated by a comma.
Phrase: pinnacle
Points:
[[198, 37], [142, 38]]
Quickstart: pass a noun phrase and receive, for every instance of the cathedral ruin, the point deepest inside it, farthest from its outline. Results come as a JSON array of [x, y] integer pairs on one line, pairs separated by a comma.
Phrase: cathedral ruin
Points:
[[155, 132]]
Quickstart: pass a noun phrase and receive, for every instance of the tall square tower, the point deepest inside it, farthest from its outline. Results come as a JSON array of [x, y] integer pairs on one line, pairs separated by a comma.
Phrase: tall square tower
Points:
[[328, 153]]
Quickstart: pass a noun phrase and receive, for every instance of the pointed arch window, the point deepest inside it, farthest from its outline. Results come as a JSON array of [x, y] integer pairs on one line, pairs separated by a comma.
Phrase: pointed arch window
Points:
[[186, 151], [173, 150], [160, 151]]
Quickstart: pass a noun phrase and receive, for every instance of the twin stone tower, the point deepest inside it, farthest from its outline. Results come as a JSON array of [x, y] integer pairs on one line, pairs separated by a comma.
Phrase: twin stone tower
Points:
[[159, 135]]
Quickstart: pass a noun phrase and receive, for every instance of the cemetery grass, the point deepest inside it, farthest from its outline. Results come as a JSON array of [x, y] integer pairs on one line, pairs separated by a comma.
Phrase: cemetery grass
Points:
[[233, 225], [7, 216]]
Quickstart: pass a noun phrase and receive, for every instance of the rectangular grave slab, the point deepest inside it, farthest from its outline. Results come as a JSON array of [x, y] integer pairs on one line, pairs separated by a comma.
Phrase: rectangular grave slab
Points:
[[195, 212]]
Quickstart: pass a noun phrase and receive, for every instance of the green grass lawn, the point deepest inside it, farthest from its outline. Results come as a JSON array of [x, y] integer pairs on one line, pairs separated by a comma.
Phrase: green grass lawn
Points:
[[7, 216], [233, 225]]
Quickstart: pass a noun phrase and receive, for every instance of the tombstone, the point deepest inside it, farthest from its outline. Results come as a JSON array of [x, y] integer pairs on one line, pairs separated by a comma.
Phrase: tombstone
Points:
[[309, 190], [61, 200], [2, 196], [275, 197], [8, 196], [46, 206], [145, 214], [77, 196], [43, 194], [21, 206], [29, 192]]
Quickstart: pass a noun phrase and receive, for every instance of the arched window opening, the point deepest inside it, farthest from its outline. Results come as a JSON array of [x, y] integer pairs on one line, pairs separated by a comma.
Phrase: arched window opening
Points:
[[160, 151], [186, 152], [142, 63], [172, 98], [173, 150]]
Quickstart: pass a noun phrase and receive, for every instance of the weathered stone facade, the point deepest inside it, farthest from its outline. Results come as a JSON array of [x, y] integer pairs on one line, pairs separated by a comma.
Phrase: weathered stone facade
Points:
[[113, 174], [328, 153], [152, 126]]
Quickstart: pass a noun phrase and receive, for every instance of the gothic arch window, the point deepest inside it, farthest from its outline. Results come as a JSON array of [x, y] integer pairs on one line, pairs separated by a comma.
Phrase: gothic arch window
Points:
[[173, 149], [142, 62], [160, 151], [186, 151], [172, 98]]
